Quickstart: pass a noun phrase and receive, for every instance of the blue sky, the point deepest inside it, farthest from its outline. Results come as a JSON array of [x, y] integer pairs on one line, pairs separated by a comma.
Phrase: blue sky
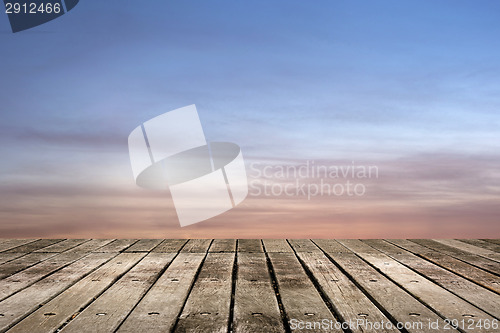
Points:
[[376, 82]]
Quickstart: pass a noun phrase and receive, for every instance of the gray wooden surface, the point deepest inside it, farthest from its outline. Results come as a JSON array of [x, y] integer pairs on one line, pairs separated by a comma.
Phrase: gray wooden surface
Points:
[[249, 285]]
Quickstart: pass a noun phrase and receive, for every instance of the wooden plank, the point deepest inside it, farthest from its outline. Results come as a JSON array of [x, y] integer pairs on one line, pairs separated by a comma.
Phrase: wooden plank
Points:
[[27, 277], [250, 245], [473, 259], [118, 245], [470, 248], [459, 267], [6, 257], [348, 300], [208, 305], [484, 299], [223, 245], [493, 241], [331, 246], [483, 244], [303, 245], [33, 246], [91, 245], [63, 246], [56, 312], [26, 261], [396, 302], [255, 305], [276, 245], [28, 300], [427, 292], [196, 246], [144, 245], [9, 244], [107, 312], [301, 301], [158, 310], [170, 246]]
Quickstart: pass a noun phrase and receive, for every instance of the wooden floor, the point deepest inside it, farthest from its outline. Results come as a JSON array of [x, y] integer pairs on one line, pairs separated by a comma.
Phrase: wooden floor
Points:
[[249, 285]]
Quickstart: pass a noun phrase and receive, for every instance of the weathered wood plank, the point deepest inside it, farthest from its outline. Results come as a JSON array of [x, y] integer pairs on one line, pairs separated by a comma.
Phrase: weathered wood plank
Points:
[[62, 246], [118, 245], [255, 304], [331, 246], [431, 294], [56, 312], [170, 246], [21, 263], [91, 245], [349, 301], [9, 244], [208, 305], [223, 245], [6, 257], [276, 245], [196, 246], [473, 259], [397, 303], [469, 291], [28, 300], [301, 300], [33, 246], [470, 248], [250, 245], [158, 310], [459, 267], [494, 241], [27, 277], [107, 312], [144, 245], [481, 243], [303, 245]]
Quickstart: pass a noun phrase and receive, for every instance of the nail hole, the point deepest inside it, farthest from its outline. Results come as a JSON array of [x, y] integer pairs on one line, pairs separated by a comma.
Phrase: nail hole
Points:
[[414, 281], [363, 314], [309, 314], [119, 263], [100, 314], [373, 280], [2, 315], [95, 280], [414, 314], [334, 280], [48, 314], [214, 280], [153, 313], [135, 280], [175, 280], [253, 280], [205, 313], [468, 315], [256, 314]]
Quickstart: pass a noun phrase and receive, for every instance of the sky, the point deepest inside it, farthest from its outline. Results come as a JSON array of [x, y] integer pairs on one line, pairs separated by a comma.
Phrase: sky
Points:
[[411, 87]]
